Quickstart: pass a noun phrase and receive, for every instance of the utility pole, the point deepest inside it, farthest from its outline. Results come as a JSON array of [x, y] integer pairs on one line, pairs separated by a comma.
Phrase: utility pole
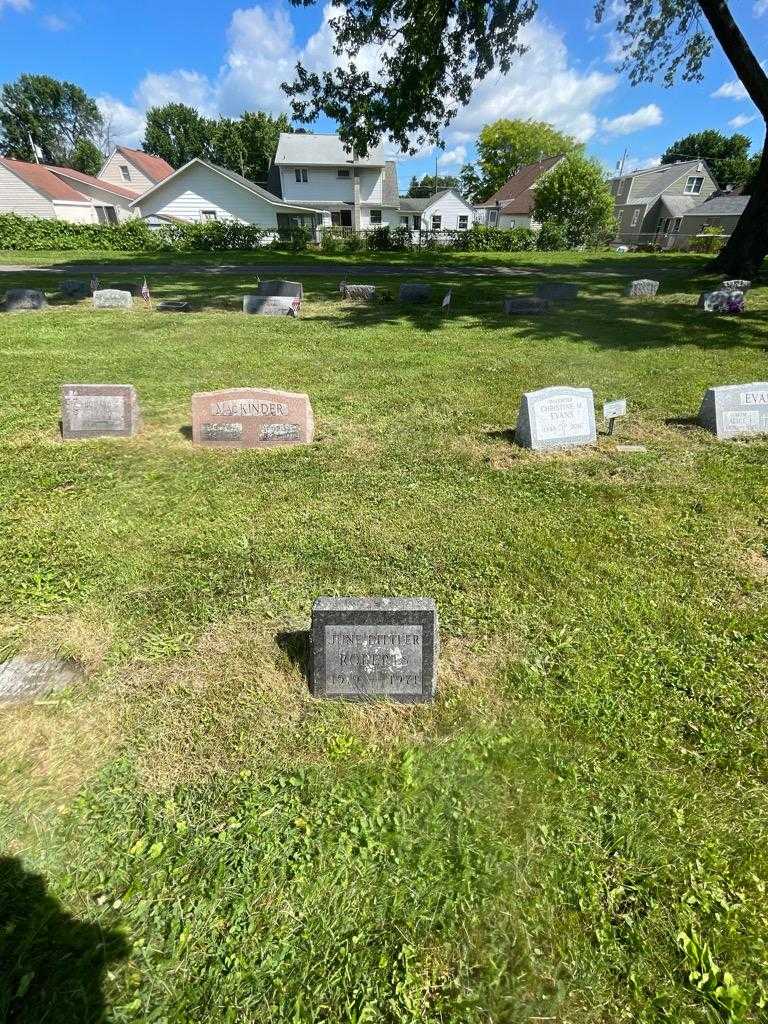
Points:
[[621, 163]]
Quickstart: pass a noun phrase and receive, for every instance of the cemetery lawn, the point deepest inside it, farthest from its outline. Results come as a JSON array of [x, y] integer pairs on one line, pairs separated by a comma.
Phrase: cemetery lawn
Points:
[[574, 832]]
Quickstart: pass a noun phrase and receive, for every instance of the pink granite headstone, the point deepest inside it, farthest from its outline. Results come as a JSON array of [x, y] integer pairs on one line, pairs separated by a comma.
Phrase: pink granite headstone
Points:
[[251, 418]]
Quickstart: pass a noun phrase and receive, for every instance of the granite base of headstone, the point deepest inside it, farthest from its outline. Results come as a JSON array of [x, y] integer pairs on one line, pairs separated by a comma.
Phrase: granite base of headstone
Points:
[[557, 291], [736, 284], [358, 292], [23, 678], [271, 305], [173, 306], [515, 305], [415, 292], [112, 298], [73, 289], [99, 410], [251, 418], [643, 288], [720, 301], [369, 648], [556, 417], [23, 299], [283, 289], [736, 410]]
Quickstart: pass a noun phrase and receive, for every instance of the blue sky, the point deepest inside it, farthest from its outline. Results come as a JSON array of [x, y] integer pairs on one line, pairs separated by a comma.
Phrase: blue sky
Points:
[[225, 58]]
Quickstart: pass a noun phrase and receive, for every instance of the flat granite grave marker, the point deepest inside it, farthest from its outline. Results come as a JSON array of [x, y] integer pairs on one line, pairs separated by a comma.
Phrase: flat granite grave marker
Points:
[[17, 299], [23, 678], [556, 417], [173, 306], [642, 288], [111, 298], [415, 292], [365, 648], [521, 304], [271, 305], [557, 291], [283, 289], [251, 418], [736, 410], [99, 410]]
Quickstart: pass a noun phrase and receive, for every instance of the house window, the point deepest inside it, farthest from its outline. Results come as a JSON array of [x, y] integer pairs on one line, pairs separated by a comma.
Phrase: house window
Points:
[[342, 172], [620, 187], [437, 221], [417, 222], [302, 175], [341, 218], [493, 217], [463, 222], [125, 171], [404, 222], [208, 215], [106, 215], [375, 216], [676, 224], [635, 218], [693, 185]]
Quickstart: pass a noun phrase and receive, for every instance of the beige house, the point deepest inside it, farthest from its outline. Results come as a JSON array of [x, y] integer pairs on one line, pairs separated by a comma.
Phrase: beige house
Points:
[[650, 205], [134, 169], [59, 193], [512, 206]]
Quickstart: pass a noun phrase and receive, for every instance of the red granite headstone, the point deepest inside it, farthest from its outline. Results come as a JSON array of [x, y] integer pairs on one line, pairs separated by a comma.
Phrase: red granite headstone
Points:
[[251, 418]]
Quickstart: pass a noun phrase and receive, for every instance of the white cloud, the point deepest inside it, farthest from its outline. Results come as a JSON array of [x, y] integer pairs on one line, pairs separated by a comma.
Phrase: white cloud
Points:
[[455, 157], [625, 124], [641, 164], [54, 23], [742, 119], [15, 5], [759, 8], [177, 87], [730, 91], [125, 123]]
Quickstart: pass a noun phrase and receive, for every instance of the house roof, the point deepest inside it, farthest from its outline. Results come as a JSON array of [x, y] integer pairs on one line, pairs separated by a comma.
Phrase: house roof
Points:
[[43, 180], [234, 177], [655, 180], [678, 206], [722, 206], [154, 167], [516, 194], [88, 179], [323, 150], [418, 204]]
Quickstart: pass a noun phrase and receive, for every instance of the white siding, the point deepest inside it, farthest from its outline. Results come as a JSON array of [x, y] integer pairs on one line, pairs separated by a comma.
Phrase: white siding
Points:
[[388, 216], [102, 198], [111, 172], [18, 197], [371, 185], [323, 184], [76, 213], [198, 189], [449, 208]]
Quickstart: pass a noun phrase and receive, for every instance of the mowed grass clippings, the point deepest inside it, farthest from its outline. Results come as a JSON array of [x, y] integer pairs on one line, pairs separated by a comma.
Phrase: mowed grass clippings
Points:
[[575, 831]]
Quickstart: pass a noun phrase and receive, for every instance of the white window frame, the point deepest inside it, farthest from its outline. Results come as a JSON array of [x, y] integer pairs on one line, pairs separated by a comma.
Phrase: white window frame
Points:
[[375, 217], [675, 229], [343, 172], [493, 217], [125, 171], [437, 217], [463, 217], [691, 185], [635, 218], [302, 175], [620, 187], [208, 215], [405, 221]]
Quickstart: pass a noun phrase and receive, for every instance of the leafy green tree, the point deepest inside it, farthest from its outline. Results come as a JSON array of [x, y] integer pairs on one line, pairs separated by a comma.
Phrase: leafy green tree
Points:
[[248, 145], [505, 146], [86, 157], [471, 184], [576, 196], [177, 133], [41, 113], [429, 184], [727, 155]]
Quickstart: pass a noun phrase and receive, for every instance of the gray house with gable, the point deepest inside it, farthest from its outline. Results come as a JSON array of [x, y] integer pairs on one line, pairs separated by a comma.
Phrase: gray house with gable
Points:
[[650, 205]]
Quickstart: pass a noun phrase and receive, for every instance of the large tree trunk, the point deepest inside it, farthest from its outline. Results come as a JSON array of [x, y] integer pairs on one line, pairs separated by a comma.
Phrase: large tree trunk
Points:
[[748, 244]]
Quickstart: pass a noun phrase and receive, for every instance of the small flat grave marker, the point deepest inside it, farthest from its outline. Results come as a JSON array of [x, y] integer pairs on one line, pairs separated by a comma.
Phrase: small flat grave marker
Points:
[[173, 306], [99, 410], [251, 418], [736, 410], [556, 417], [364, 648], [521, 304], [18, 299], [23, 678], [613, 410], [642, 288], [557, 291], [415, 292], [111, 298]]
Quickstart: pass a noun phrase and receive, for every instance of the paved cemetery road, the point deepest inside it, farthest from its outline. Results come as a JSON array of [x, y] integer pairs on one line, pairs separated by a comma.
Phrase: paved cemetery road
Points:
[[267, 269]]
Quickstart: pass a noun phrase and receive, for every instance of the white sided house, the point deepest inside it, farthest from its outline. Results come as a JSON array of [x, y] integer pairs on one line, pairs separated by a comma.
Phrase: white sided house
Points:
[[201, 191], [443, 211], [316, 172], [59, 193], [134, 169]]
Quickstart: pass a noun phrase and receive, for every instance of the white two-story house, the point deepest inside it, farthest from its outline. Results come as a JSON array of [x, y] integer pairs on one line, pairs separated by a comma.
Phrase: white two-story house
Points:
[[317, 172]]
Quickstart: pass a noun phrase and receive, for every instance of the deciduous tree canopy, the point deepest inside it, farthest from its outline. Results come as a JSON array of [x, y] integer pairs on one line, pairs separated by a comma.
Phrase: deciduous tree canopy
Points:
[[727, 155], [41, 117], [576, 196]]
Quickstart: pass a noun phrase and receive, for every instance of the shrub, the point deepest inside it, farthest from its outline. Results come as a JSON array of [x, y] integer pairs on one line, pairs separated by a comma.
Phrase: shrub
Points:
[[711, 240], [483, 239], [379, 238], [300, 239], [330, 241], [552, 237], [38, 233], [356, 242]]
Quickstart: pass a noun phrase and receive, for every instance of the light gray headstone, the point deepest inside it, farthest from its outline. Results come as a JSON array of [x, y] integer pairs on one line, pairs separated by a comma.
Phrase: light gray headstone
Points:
[[271, 305], [24, 298], [737, 284], [112, 298], [415, 292], [556, 417], [70, 288], [23, 678], [736, 410], [515, 304], [557, 291], [717, 301], [285, 289], [643, 287], [365, 648], [615, 407], [99, 410], [362, 292]]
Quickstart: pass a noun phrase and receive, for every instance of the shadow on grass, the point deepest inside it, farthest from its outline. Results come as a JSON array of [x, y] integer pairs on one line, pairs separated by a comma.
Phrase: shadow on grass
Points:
[[295, 645], [51, 964]]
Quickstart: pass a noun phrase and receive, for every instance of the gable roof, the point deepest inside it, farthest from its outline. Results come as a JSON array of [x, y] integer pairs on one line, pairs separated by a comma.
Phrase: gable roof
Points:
[[418, 204], [323, 150], [655, 180], [43, 180], [236, 179], [88, 179], [721, 206], [154, 167], [516, 194]]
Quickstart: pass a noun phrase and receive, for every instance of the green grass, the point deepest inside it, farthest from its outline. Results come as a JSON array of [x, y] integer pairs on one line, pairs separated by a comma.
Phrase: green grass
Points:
[[575, 831]]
